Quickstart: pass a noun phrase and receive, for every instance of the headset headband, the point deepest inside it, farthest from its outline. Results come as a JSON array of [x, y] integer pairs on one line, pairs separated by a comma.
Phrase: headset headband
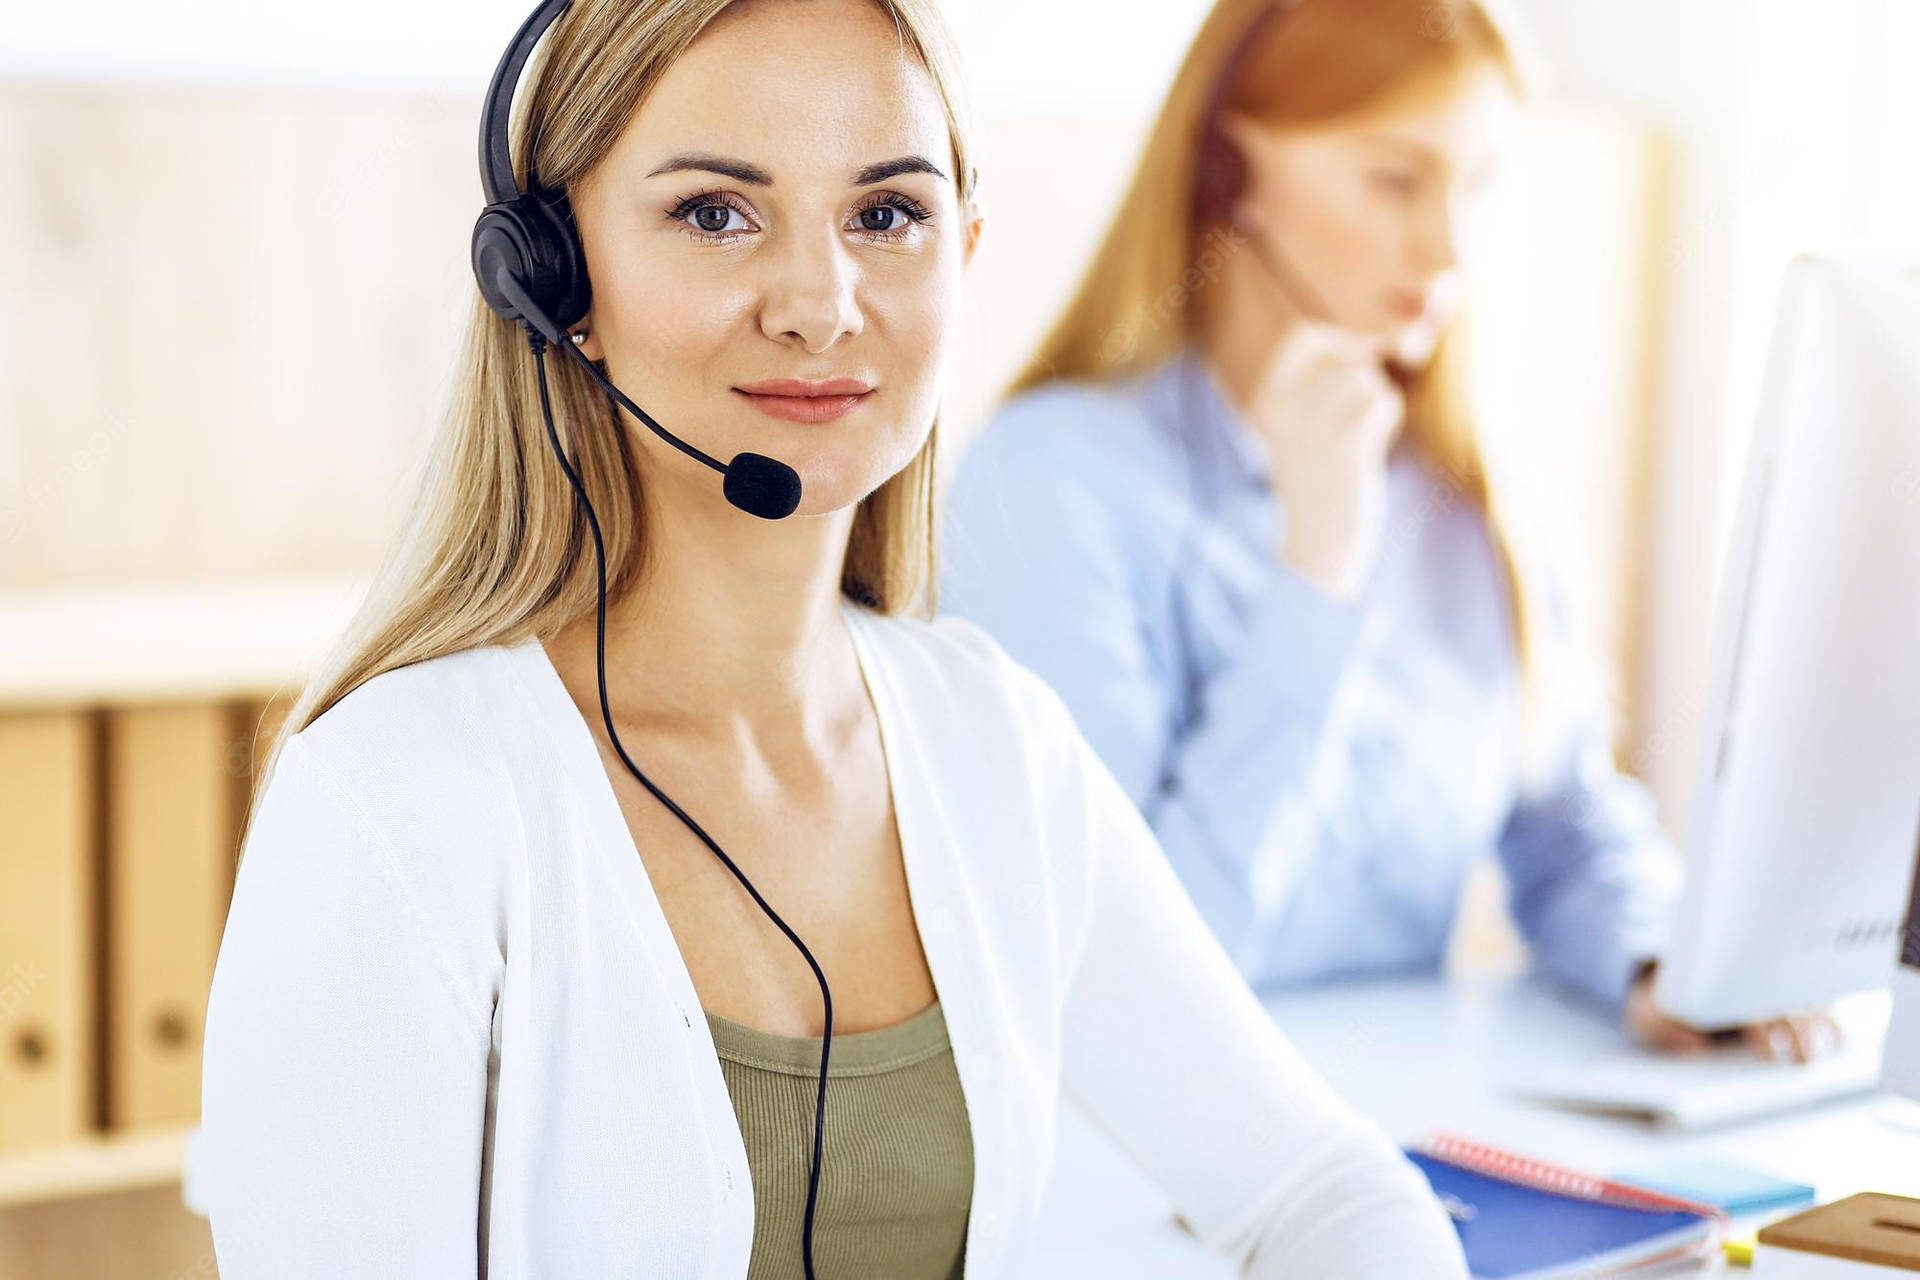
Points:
[[496, 158]]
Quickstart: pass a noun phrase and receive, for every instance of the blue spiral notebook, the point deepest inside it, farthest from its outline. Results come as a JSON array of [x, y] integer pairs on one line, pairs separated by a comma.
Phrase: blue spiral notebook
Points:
[[1522, 1219]]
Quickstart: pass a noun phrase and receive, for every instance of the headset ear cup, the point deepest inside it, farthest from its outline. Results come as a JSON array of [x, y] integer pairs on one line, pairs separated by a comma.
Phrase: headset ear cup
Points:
[[568, 291], [1221, 178], [534, 239], [500, 242]]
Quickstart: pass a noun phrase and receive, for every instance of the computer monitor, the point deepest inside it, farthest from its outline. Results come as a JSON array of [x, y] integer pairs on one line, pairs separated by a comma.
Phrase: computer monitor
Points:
[[1901, 1071], [1803, 830]]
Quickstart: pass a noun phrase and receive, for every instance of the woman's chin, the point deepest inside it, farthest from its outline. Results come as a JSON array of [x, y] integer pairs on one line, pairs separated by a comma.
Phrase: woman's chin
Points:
[[1413, 346], [830, 483]]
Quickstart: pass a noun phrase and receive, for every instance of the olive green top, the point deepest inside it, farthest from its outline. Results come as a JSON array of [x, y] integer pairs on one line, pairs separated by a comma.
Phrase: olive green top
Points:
[[896, 1168]]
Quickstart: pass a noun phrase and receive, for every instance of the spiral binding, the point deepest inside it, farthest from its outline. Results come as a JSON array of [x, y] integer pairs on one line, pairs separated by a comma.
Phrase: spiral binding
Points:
[[1539, 1175]]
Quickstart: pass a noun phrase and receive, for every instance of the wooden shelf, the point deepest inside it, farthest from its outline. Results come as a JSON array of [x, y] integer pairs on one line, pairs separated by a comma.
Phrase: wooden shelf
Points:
[[121, 1162], [169, 641], [151, 657]]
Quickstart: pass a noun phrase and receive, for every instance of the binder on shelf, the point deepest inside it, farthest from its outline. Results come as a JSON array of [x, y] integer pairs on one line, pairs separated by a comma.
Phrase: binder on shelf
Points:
[[173, 772], [49, 940]]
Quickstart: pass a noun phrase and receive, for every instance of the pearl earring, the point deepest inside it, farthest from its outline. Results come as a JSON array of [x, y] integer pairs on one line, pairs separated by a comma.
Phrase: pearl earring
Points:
[[579, 336]]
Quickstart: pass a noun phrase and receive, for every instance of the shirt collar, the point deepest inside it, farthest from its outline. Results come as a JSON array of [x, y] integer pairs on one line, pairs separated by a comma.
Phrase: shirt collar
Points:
[[1188, 386]]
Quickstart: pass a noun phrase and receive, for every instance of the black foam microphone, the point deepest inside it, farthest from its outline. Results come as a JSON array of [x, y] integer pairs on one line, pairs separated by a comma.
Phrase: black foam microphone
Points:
[[755, 483], [763, 486]]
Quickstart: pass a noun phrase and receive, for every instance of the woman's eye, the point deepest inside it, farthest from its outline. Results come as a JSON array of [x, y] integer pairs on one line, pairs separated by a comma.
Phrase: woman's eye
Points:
[[714, 215], [892, 217], [711, 215], [1394, 182]]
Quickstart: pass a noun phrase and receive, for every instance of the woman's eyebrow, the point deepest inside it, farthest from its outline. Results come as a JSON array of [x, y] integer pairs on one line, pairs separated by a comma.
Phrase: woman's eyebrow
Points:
[[888, 168], [738, 170], [744, 171], [1418, 152]]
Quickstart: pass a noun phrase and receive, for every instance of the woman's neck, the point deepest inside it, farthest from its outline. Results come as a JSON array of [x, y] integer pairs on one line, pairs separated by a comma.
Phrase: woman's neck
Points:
[[1239, 322], [734, 629]]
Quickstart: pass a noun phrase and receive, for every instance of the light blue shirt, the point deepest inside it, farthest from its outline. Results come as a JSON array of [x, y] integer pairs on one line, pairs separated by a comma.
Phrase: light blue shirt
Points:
[[1321, 774]]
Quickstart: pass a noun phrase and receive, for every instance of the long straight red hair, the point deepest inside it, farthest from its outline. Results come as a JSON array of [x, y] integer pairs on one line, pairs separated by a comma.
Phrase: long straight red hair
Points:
[[1314, 61]]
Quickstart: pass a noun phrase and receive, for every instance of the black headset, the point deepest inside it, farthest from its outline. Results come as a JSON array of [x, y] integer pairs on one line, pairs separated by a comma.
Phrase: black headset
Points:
[[530, 266], [1220, 168]]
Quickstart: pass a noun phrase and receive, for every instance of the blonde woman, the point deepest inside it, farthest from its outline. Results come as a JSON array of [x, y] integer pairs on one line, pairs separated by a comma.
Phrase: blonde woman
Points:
[[487, 1002], [1234, 510]]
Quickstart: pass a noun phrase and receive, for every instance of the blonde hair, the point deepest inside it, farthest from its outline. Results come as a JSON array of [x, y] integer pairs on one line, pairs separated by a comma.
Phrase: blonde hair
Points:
[[1312, 61], [495, 548]]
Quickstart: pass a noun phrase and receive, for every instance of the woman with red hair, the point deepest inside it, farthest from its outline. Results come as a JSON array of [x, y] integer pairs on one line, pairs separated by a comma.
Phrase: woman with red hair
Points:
[[1234, 510]]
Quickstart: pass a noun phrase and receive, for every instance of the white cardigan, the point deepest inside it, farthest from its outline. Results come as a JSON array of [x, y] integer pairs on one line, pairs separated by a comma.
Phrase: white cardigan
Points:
[[450, 1033]]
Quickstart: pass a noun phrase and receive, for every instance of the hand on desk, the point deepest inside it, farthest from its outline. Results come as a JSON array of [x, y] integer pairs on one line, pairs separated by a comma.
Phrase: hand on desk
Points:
[[1801, 1038]]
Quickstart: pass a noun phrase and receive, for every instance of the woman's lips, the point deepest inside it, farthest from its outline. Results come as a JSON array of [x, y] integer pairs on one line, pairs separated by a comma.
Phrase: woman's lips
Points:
[[1409, 306], [804, 408]]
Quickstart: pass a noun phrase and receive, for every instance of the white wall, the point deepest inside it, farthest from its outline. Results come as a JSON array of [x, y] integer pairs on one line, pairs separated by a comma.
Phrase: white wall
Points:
[[1830, 163], [1014, 48], [1056, 128], [1792, 128], [1789, 127]]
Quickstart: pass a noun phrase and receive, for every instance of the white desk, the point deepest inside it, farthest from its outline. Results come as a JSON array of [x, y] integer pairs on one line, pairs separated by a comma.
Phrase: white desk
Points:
[[1426, 1055]]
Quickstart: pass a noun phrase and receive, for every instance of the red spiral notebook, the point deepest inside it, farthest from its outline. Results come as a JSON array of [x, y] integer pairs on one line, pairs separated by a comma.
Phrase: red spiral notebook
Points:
[[1524, 1219]]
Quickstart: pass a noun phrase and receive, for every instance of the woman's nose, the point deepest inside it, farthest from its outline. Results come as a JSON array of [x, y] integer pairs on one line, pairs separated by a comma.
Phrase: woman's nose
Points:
[[812, 293], [1438, 249]]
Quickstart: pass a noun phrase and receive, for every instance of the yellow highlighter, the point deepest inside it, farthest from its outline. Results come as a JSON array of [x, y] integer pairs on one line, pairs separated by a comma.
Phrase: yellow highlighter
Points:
[[1739, 1250]]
